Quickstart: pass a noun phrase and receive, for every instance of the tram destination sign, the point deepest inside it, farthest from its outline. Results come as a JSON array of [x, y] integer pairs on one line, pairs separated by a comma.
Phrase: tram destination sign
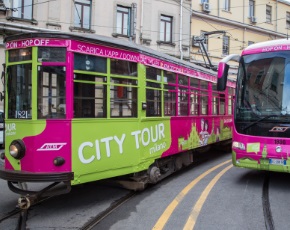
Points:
[[109, 52]]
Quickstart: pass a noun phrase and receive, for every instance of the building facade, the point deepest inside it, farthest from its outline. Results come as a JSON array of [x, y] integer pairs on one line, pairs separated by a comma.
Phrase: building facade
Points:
[[228, 26], [162, 25]]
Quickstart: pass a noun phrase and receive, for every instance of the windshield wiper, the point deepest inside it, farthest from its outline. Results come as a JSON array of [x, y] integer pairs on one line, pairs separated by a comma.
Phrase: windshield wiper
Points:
[[257, 121]]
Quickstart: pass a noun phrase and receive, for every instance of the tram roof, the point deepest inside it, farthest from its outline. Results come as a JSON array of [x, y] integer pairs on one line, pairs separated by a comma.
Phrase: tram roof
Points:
[[266, 44], [109, 41]]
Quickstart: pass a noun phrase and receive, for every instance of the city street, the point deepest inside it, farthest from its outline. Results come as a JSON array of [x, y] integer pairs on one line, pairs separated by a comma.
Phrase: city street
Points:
[[210, 195]]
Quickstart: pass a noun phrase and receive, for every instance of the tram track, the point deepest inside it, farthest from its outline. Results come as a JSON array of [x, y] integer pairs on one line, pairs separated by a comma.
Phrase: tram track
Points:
[[108, 211], [21, 224], [117, 204], [23, 214], [269, 222], [9, 214]]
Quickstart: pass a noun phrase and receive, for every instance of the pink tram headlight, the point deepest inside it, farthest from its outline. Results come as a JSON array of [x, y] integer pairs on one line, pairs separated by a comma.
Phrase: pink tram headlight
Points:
[[239, 145], [17, 149]]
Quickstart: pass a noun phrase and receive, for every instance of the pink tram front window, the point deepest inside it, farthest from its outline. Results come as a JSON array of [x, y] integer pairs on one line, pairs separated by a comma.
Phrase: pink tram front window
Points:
[[263, 99], [19, 91], [17, 55]]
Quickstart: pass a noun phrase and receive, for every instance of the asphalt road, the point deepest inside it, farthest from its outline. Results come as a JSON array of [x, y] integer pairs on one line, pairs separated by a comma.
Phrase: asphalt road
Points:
[[211, 195]]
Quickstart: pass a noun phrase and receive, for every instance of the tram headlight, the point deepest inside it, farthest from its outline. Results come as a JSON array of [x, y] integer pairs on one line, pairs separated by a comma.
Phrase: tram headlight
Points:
[[17, 149], [58, 161], [239, 145]]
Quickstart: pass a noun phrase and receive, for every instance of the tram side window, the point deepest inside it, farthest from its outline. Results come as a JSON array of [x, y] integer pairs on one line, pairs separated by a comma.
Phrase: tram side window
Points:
[[153, 92], [121, 67], [89, 96], [204, 104], [183, 95], [222, 105], [123, 89], [218, 101], [230, 100], [51, 54], [123, 97], [204, 97], [90, 63], [214, 103], [194, 94], [169, 100], [19, 91], [215, 100], [169, 93], [194, 102], [51, 92]]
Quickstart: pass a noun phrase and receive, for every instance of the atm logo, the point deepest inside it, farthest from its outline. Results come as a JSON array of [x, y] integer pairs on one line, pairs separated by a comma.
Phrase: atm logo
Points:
[[278, 129], [51, 146]]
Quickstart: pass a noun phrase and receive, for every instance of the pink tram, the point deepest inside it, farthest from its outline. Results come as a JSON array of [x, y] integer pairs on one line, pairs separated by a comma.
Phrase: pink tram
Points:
[[81, 108], [262, 115]]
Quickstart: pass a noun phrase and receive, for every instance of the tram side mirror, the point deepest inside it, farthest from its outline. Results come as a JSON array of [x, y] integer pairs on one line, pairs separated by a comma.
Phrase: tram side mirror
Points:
[[1, 96], [223, 70]]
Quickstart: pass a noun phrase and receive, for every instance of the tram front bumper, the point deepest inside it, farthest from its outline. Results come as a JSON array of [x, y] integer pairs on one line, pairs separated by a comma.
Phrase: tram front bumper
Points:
[[20, 176]]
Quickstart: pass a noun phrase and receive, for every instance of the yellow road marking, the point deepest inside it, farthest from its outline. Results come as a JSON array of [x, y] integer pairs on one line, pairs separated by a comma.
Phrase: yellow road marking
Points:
[[198, 206], [171, 207]]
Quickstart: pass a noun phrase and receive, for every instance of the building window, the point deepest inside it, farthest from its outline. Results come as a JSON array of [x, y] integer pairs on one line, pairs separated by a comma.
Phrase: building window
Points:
[[227, 5], [202, 1], [226, 45], [166, 28], [268, 13], [251, 8], [82, 16], [123, 20], [22, 9], [288, 20]]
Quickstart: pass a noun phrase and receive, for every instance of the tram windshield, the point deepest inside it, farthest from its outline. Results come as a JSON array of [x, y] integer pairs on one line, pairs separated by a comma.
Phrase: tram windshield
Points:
[[19, 89], [263, 87], [50, 90], [49, 83]]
